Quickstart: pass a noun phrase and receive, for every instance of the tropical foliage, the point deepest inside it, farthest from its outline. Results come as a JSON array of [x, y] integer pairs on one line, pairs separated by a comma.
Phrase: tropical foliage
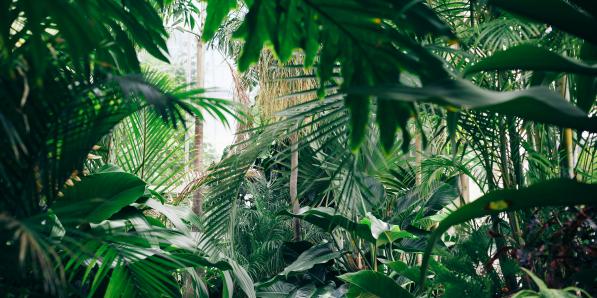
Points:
[[487, 191]]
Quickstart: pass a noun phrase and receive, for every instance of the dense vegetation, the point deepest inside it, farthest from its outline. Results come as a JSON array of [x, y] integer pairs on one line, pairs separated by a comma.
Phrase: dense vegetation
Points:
[[350, 175]]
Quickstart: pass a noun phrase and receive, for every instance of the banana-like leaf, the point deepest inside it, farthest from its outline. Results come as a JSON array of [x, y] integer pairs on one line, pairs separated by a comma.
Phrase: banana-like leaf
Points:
[[557, 192], [97, 197], [365, 283], [585, 90], [277, 289], [369, 228], [412, 273], [228, 285], [544, 291], [531, 57], [304, 291], [242, 277], [577, 20], [537, 103], [317, 254], [175, 214], [282, 289]]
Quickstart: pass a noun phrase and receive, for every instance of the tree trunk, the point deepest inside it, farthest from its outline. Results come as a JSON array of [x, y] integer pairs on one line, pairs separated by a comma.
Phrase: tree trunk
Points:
[[567, 146], [293, 186], [418, 157], [189, 289], [198, 138], [418, 172], [500, 240], [463, 185]]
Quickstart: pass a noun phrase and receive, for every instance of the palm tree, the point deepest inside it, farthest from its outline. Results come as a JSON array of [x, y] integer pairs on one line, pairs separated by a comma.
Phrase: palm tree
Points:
[[198, 137], [69, 75]]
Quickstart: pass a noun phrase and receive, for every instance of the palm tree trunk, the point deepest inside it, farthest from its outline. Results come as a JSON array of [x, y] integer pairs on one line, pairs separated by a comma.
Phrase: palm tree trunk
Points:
[[418, 157], [189, 289], [517, 175], [198, 138], [418, 173], [293, 186], [463, 185], [500, 240]]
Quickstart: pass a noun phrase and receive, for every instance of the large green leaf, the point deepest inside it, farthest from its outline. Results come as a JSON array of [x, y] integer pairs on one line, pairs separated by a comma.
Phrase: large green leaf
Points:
[[261, 26], [276, 290], [97, 197], [242, 278], [282, 289], [545, 292], [288, 35], [531, 57], [537, 103], [177, 215], [558, 13], [412, 273], [369, 228], [304, 292], [371, 283], [391, 115], [359, 116], [328, 219], [557, 192], [585, 90], [216, 11], [382, 232], [318, 254]]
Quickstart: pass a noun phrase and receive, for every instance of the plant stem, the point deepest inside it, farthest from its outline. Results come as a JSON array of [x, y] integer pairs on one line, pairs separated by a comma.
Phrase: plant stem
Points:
[[500, 244], [374, 257], [567, 163]]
